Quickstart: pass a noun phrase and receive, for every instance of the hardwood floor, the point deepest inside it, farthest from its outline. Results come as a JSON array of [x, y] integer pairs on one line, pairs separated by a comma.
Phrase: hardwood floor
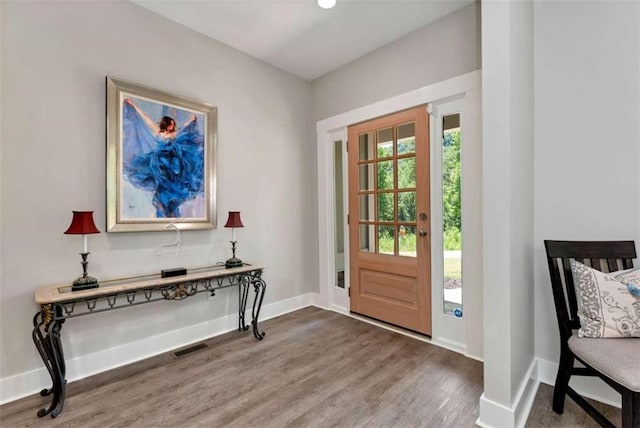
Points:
[[314, 368]]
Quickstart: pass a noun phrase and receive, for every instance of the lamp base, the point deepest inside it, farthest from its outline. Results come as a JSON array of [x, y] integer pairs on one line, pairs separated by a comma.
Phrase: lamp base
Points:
[[84, 283], [233, 262]]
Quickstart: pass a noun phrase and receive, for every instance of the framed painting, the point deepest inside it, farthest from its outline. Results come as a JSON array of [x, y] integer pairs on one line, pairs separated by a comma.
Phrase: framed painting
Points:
[[161, 160]]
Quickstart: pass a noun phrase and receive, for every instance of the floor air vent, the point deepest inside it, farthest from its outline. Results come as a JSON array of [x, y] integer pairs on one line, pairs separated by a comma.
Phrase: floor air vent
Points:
[[189, 350]]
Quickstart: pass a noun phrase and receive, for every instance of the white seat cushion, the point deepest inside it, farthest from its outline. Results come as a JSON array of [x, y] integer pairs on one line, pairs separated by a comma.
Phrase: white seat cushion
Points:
[[618, 359]]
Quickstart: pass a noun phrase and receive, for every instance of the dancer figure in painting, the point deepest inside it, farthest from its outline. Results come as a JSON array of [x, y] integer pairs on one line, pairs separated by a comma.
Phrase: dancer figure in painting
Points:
[[163, 159]]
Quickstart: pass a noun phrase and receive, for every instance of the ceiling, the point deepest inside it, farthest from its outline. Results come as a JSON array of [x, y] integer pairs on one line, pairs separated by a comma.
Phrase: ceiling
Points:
[[298, 36]]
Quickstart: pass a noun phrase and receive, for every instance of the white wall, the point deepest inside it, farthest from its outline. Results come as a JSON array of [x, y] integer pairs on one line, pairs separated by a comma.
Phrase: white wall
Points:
[[443, 49], [587, 143], [55, 56], [507, 58]]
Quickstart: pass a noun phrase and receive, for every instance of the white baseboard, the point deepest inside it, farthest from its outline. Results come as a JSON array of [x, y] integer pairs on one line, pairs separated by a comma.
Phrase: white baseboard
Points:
[[30, 382], [315, 300], [591, 387], [340, 309], [451, 345], [494, 415], [474, 357]]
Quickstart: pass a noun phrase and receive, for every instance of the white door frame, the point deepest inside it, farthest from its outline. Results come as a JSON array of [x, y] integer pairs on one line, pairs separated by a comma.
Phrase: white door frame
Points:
[[449, 330], [446, 328], [338, 296], [467, 87]]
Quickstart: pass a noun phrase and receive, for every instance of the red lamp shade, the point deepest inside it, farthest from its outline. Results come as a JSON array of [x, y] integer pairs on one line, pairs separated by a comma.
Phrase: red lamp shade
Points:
[[234, 219], [82, 224]]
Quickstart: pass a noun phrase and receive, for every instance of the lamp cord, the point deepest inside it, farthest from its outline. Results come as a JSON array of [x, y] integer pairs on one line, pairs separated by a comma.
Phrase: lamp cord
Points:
[[176, 243]]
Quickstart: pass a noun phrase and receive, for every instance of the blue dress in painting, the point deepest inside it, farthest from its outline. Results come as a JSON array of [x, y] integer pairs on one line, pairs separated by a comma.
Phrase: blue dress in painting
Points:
[[171, 168]]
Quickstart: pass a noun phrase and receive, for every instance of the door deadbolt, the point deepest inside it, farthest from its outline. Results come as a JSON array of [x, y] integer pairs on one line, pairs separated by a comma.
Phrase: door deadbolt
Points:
[[423, 216]]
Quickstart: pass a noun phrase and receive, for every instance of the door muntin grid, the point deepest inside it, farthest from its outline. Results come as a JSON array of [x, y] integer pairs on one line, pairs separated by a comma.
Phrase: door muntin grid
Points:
[[387, 190]]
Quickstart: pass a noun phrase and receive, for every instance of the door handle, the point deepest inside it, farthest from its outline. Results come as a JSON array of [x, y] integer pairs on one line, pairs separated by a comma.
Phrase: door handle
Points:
[[422, 232]]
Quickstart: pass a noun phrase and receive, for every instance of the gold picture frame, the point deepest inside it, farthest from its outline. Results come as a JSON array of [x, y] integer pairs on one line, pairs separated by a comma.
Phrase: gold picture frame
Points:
[[161, 160]]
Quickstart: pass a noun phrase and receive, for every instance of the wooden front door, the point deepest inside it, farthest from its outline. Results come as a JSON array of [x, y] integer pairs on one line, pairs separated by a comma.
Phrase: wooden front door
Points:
[[389, 221]]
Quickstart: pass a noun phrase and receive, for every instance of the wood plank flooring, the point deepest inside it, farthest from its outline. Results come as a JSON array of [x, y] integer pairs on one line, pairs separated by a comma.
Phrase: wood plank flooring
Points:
[[315, 368]]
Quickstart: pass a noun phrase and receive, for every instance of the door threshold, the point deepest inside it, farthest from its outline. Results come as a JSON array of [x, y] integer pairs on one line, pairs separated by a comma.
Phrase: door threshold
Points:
[[409, 333], [391, 327]]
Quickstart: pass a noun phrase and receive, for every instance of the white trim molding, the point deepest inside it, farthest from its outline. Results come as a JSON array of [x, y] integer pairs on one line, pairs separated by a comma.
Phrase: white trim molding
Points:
[[494, 415], [31, 382]]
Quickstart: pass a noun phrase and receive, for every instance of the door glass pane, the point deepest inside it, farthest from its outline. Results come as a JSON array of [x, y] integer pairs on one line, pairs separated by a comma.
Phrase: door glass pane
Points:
[[385, 175], [367, 211], [406, 138], [407, 240], [452, 214], [407, 173], [367, 238], [366, 177], [338, 214], [385, 143], [385, 207], [365, 146], [386, 239], [389, 183], [407, 207]]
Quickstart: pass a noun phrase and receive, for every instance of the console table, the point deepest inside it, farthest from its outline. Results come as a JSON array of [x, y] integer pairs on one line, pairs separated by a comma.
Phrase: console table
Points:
[[59, 303]]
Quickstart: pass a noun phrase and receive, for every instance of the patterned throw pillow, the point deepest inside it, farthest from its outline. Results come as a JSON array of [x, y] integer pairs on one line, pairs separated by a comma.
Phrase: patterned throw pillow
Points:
[[607, 305]]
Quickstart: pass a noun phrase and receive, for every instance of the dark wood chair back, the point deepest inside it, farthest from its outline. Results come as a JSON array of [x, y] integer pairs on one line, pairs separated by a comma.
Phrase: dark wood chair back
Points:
[[605, 256]]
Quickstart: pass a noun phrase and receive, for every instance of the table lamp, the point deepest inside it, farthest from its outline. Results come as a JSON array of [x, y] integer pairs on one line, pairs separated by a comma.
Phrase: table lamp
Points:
[[82, 224], [233, 221]]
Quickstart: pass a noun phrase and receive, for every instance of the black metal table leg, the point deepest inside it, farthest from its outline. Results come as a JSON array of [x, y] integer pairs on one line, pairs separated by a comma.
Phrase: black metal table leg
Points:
[[59, 367], [46, 337], [41, 345], [243, 294], [259, 286]]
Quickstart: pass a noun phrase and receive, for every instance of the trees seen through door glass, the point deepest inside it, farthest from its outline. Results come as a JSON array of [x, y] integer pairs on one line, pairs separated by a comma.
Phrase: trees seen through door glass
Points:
[[452, 214], [387, 190]]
